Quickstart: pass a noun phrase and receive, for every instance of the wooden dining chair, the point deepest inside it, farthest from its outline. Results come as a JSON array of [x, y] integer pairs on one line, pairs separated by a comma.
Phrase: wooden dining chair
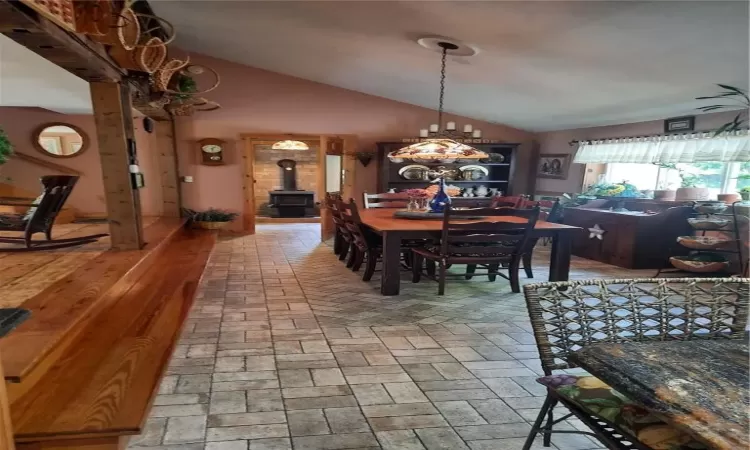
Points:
[[566, 316], [339, 242], [489, 245], [386, 200], [366, 246]]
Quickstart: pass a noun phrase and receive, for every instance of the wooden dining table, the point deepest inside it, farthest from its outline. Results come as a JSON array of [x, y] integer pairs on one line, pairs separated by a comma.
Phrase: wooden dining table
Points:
[[699, 386], [394, 230]]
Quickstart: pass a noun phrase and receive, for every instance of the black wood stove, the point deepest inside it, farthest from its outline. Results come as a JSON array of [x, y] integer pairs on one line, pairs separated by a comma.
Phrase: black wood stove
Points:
[[290, 201]]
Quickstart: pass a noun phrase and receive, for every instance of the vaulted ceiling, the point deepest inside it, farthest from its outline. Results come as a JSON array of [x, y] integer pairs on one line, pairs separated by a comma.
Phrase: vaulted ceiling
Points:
[[541, 66]]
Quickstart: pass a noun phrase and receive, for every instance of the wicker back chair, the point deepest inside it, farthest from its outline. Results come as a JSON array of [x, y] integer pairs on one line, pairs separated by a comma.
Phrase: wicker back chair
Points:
[[566, 316]]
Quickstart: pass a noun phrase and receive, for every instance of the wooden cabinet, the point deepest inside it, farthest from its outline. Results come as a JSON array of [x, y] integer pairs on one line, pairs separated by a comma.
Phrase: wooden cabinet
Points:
[[500, 170], [633, 240]]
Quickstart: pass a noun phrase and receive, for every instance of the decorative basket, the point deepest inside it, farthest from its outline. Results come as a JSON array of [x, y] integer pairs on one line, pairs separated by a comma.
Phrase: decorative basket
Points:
[[61, 12], [147, 53], [217, 81], [162, 77], [212, 225], [94, 17], [124, 30], [702, 263], [702, 242]]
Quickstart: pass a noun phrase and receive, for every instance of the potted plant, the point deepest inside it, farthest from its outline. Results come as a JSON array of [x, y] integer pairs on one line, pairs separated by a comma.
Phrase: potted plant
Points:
[[739, 101], [745, 193], [6, 149], [211, 219]]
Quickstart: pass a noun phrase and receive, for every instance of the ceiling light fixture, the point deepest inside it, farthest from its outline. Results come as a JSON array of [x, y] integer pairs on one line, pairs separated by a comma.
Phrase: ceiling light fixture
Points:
[[290, 145], [438, 142]]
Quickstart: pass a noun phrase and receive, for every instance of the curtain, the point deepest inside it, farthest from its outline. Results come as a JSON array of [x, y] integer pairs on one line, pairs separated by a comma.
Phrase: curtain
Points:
[[684, 148]]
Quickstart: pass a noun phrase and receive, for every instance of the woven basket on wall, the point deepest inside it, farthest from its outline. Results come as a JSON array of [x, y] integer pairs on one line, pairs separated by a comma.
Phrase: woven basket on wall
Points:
[[124, 30], [148, 54], [163, 75], [94, 17]]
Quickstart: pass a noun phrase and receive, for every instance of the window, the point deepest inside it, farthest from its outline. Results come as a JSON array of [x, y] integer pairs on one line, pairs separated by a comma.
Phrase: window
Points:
[[718, 177]]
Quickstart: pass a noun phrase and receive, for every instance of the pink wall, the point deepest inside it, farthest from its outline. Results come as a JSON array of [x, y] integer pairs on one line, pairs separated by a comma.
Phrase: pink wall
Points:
[[88, 195], [258, 101], [557, 142]]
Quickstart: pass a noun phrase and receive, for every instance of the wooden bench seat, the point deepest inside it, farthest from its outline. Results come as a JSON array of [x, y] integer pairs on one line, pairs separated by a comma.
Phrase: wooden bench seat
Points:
[[102, 385], [58, 311]]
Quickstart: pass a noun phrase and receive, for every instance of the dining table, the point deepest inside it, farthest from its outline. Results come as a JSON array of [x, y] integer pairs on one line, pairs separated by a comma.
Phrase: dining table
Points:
[[396, 229], [699, 386]]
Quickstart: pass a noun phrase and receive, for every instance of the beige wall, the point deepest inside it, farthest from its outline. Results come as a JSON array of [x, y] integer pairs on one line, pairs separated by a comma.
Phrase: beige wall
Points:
[[88, 195], [557, 142], [258, 101]]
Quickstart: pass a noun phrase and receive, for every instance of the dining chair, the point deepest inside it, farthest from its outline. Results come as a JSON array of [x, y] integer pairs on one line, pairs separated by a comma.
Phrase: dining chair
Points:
[[338, 239], [480, 243], [367, 246], [554, 215], [386, 200], [515, 201], [566, 316]]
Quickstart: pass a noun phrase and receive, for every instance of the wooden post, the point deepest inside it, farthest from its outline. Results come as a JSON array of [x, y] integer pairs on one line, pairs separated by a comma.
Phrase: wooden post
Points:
[[6, 427], [114, 129], [170, 184]]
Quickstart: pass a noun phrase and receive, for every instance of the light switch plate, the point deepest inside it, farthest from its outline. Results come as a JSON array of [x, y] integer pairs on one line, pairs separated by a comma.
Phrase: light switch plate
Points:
[[187, 179]]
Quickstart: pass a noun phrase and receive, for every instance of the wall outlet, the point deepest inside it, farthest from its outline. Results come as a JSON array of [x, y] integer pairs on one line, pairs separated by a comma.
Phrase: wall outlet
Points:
[[187, 179]]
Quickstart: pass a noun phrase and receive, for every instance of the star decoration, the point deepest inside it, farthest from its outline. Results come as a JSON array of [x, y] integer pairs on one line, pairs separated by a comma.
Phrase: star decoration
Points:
[[596, 232]]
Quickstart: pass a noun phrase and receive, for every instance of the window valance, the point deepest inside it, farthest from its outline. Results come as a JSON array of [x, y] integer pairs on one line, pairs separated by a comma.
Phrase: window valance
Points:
[[684, 148]]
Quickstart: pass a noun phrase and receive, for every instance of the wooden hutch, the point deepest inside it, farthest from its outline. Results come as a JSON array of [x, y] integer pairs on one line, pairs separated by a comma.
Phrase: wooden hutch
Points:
[[500, 168]]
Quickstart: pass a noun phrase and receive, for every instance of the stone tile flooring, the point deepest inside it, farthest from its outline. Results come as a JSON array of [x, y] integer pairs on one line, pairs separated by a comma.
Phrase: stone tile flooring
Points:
[[287, 349]]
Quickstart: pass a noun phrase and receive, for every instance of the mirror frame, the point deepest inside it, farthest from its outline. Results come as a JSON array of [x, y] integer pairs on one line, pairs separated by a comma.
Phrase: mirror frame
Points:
[[38, 131]]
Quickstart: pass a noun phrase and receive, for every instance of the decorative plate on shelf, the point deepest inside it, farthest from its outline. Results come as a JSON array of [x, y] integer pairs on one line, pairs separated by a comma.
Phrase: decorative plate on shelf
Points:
[[414, 172], [473, 173], [494, 158]]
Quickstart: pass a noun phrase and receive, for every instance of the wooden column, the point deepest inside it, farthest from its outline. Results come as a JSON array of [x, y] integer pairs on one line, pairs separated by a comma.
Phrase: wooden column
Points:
[[114, 129], [168, 167], [6, 428]]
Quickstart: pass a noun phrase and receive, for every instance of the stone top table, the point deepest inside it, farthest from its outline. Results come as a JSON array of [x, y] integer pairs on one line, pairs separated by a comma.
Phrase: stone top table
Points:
[[700, 386]]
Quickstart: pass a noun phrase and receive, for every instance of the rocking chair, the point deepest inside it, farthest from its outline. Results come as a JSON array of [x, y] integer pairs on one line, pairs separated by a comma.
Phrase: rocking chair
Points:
[[41, 217]]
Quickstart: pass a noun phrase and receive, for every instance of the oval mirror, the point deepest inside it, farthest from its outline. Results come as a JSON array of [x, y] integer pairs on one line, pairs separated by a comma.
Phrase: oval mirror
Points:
[[60, 140]]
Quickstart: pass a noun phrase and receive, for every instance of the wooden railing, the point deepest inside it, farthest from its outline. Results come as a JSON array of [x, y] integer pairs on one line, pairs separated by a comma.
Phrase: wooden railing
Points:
[[45, 163]]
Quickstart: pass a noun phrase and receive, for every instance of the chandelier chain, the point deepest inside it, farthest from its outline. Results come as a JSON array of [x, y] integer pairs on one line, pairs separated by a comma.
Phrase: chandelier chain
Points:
[[442, 88]]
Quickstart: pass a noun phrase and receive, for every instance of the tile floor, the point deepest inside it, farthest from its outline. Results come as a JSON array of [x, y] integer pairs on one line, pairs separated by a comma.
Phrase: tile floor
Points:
[[287, 349]]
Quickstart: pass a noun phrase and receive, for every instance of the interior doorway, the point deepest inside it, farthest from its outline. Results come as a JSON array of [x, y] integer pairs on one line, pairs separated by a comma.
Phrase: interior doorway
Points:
[[286, 177]]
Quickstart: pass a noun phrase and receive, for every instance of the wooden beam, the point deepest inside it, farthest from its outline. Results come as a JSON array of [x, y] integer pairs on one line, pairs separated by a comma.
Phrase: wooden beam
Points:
[[75, 53], [114, 129], [170, 184]]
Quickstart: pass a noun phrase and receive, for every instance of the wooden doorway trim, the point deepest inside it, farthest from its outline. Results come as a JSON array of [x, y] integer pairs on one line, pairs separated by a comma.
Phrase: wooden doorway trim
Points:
[[348, 165], [248, 167]]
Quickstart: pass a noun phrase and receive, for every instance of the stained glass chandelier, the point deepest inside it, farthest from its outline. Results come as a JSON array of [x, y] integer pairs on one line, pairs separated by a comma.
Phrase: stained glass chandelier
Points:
[[437, 142], [290, 145]]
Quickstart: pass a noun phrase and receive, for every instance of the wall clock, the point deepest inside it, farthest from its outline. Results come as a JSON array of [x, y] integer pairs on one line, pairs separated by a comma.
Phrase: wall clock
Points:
[[212, 151]]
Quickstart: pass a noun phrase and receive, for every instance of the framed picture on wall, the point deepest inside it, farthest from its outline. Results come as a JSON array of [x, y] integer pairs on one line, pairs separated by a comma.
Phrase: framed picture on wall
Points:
[[553, 165]]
